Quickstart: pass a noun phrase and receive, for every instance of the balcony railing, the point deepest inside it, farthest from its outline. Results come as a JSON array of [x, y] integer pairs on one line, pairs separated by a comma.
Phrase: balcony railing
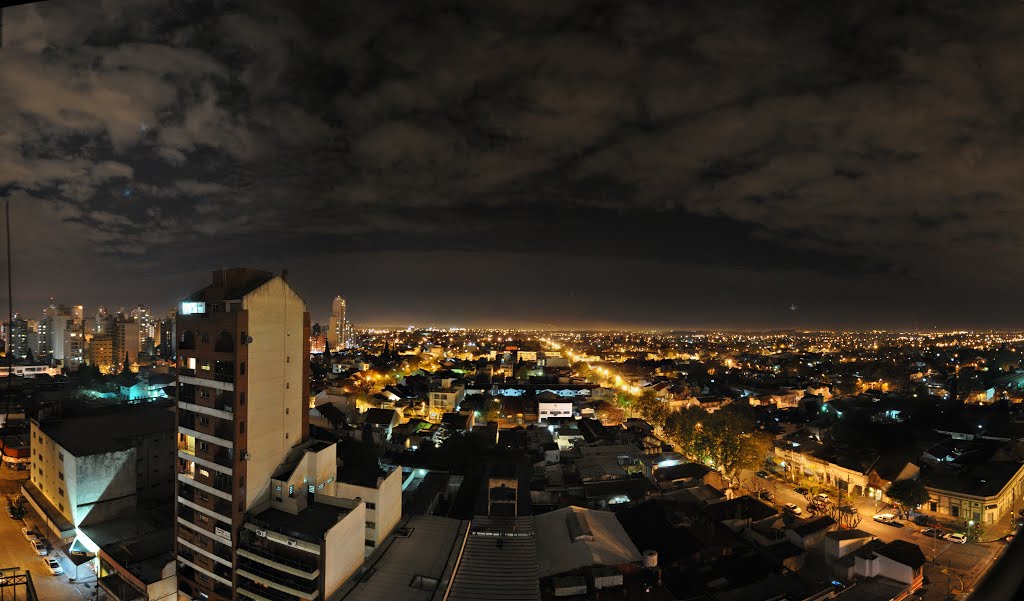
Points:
[[307, 567], [256, 591], [304, 586]]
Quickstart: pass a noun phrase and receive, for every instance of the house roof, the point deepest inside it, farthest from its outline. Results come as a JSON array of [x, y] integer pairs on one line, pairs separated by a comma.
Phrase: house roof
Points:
[[573, 537], [380, 417], [903, 552], [812, 525]]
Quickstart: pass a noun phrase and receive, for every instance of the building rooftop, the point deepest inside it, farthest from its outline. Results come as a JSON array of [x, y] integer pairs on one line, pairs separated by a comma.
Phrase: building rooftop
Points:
[[498, 562], [903, 552], [413, 567], [573, 537], [311, 524], [231, 284], [142, 545], [81, 436]]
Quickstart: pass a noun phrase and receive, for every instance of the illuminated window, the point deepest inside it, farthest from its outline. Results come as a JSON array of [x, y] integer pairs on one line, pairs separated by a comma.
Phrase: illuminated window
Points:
[[191, 362], [204, 473], [291, 490], [205, 365], [191, 308]]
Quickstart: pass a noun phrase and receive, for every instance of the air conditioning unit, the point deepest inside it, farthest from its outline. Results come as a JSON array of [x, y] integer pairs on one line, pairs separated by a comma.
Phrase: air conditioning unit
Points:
[[262, 533], [245, 456]]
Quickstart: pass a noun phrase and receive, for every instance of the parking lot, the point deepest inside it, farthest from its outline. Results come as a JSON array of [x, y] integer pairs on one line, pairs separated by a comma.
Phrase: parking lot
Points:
[[15, 551]]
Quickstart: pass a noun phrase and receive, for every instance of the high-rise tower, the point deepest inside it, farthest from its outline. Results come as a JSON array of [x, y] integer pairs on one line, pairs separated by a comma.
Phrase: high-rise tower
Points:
[[243, 390], [337, 333]]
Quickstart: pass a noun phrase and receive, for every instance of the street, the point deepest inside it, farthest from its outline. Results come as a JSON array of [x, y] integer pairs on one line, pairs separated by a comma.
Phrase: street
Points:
[[967, 561], [15, 551]]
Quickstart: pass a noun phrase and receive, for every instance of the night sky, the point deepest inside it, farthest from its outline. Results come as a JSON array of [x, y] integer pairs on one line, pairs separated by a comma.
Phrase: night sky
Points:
[[767, 164]]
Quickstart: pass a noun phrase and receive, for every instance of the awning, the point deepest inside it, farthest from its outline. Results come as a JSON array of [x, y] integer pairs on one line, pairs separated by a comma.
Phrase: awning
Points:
[[77, 553]]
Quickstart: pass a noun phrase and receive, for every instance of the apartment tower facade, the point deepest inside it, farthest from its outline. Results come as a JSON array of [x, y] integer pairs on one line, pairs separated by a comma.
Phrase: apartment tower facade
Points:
[[337, 334], [243, 403]]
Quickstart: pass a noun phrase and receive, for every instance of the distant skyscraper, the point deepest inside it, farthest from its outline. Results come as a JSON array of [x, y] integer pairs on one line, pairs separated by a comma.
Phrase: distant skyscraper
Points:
[[337, 333]]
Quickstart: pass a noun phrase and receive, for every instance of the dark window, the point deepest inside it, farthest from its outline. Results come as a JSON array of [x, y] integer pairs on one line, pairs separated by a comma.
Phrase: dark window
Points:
[[204, 446], [224, 343], [370, 543], [60, 456], [60, 475], [371, 506], [241, 398], [204, 420], [241, 368], [61, 506], [241, 427], [60, 492]]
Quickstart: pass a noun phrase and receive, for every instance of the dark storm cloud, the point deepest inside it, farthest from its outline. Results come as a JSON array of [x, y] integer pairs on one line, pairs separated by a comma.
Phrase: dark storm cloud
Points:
[[803, 146]]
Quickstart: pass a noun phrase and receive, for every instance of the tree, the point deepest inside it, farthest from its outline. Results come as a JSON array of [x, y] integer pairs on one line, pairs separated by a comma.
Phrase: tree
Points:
[[606, 412], [907, 494], [30, 357], [127, 366]]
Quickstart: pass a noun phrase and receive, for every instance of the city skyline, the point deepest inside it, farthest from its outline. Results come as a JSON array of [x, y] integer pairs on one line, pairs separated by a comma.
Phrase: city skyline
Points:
[[846, 167]]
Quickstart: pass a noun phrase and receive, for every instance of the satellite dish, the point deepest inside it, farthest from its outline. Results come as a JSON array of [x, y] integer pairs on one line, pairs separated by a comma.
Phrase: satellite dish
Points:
[[248, 339]]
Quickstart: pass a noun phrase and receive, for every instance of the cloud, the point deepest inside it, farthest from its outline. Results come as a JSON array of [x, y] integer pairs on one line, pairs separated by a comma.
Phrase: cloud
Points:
[[861, 141]]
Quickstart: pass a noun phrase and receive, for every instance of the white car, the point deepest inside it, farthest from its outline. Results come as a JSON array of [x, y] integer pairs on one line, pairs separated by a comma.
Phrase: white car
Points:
[[792, 508], [39, 547], [54, 566], [885, 518], [29, 534], [955, 537]]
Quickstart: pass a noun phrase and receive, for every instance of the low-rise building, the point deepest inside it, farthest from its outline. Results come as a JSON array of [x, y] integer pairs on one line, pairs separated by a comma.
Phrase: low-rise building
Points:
[[93, 469]]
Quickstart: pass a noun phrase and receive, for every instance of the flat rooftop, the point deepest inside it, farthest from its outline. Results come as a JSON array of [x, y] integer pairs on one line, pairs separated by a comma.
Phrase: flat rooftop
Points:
[[428, 552], [311, 524], [110, 431]]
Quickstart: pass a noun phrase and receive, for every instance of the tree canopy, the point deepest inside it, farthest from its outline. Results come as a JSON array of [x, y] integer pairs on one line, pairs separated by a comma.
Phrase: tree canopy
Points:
[[907, 494]]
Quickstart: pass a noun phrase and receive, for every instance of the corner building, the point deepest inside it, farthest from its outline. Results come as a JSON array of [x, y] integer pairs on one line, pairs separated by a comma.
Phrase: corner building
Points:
[[243, 403]]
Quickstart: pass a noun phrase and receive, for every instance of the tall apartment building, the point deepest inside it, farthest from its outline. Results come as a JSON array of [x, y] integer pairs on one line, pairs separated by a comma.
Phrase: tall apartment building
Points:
[[243, 390], [337, 333], [101, 353], [126, 342]]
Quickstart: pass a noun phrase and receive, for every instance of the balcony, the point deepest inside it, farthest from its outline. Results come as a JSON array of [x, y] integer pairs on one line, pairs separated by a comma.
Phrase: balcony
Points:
[[266, 554], [224, 371], [263, 593], [224, 492], [291, 586]]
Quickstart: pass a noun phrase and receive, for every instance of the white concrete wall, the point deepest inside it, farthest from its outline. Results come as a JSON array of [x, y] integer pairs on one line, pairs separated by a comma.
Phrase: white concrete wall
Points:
[[386, 500], [95, 488], [275, 383], [343, 548]]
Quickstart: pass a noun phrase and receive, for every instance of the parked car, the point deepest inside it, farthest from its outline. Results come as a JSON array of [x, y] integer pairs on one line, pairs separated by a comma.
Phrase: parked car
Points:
[[932, 532], [29, 534], [885, 518], [766, 495], [762, 474], [54, 566], [40, 547], [792, 508], [850, 509], [1008, 538], [955, 537], [800, 490]]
